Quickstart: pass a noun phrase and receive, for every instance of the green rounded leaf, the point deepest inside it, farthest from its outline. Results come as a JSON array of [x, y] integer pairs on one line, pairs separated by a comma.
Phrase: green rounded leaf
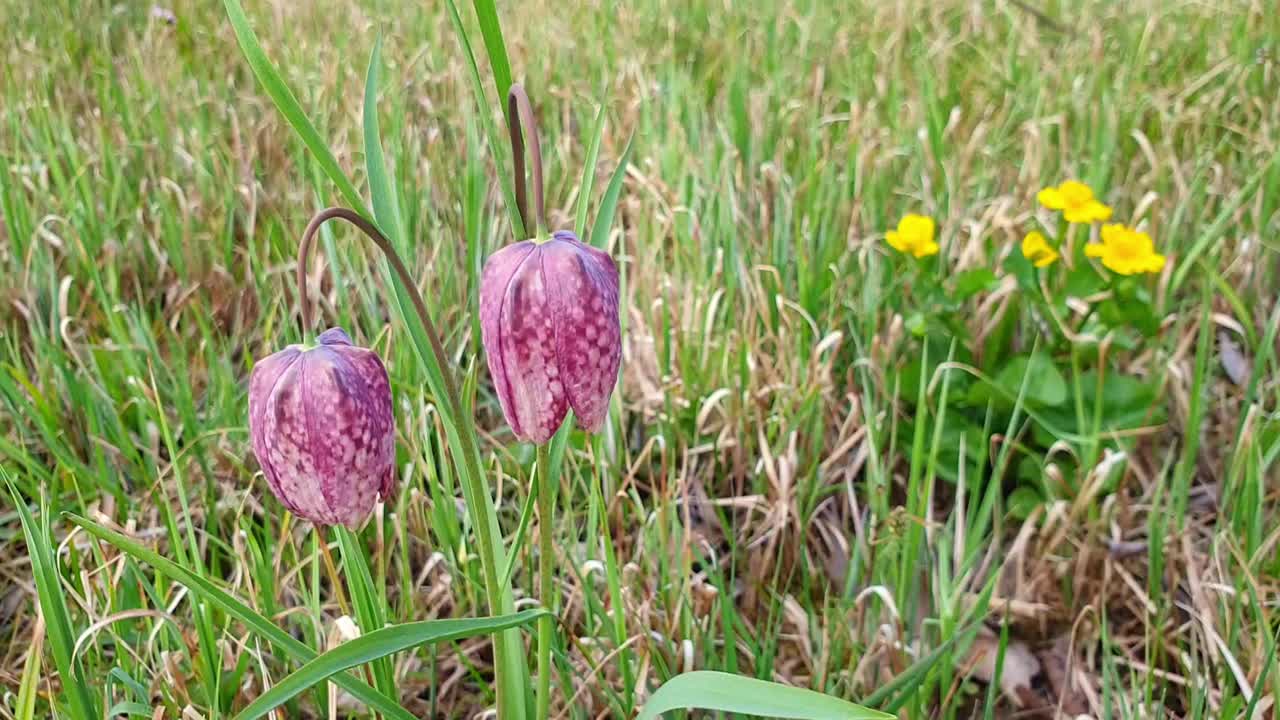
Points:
[[1046, 386], [709, 690]]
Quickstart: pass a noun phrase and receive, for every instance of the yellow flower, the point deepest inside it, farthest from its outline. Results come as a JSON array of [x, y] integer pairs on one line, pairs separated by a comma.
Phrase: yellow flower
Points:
[[1076, 201], [914, 235], [1036, 249], [1126, 251]]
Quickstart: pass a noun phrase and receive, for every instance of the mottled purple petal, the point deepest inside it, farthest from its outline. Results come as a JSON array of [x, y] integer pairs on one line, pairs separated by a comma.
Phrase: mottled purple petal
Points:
[[495, 280], [528, 355], [334, 336], [262, 383], [351, 439], [583, 286], [288, 448]]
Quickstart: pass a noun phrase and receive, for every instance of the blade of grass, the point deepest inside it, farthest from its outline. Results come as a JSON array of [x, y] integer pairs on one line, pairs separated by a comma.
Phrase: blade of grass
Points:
[[989, 711], [365, 602], [711, 690], [517, 541], [379, 646], [494, 45], [386, 208], [609, 203], [459, 429], [210, 669], [1225, 217], [901, 689], [255, 622], [1185, 469], [53, 605], [482, 103], [589, 174], [25, 706]]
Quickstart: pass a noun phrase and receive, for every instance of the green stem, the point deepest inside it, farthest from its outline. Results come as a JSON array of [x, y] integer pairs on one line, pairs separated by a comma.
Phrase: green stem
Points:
[[475, 490], [546, 500]]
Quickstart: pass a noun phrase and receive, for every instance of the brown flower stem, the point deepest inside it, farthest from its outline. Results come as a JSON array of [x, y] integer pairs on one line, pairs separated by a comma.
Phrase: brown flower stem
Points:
[[520, 113], [336, 581], [332, 568], [474, 488]]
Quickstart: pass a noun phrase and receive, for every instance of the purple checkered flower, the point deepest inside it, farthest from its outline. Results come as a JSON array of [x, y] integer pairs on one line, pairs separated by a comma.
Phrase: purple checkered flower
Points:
[[549, 321], [323, 430]]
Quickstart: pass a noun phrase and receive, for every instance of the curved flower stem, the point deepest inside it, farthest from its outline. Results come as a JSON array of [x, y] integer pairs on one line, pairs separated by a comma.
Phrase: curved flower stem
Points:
[[476, 490], [520, 112], [335, 580], [546, 551]]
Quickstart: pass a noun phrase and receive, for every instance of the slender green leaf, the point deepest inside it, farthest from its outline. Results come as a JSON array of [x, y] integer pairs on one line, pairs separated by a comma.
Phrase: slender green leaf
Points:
[[494, 45], [512, 670], [517, 540], [589, 174], [896, 692], [24, 707], [482, 103], [53, 605], [386, 207], [992, 687], [131, 709], [1266, 672], [609, 203], [226, 602], [379, 645], [288, 105], [710, 690], [365, 601]]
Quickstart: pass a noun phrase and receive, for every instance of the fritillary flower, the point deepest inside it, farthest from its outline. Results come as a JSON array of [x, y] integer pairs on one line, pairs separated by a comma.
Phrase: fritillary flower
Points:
[[322, 428], [552, 338]]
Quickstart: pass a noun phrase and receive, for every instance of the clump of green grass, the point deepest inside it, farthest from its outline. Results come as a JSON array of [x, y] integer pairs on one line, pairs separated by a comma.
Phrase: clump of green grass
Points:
[[799, 487]]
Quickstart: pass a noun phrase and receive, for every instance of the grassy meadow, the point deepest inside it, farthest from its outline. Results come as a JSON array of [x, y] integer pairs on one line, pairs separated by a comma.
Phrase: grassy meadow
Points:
[[948, 486]]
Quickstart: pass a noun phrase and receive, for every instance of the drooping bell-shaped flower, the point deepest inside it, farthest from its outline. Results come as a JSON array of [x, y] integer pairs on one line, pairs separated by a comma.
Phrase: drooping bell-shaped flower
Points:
[[549, 321], [323, 430]]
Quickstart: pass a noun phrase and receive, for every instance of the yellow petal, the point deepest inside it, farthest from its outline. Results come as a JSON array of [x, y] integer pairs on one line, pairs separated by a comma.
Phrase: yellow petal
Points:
[[1051, 198], [1095, 250], [1112, 232], [925, 249], [896, 241], [1145, 241], [1076, 192], [1091, 212], [1034, 245], [1155, 263], [1046, 257], [919, 227], [1115, 265]]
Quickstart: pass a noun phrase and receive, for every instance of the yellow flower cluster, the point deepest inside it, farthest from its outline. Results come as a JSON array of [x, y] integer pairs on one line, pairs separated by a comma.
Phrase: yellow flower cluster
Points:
[[1123, 250]]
